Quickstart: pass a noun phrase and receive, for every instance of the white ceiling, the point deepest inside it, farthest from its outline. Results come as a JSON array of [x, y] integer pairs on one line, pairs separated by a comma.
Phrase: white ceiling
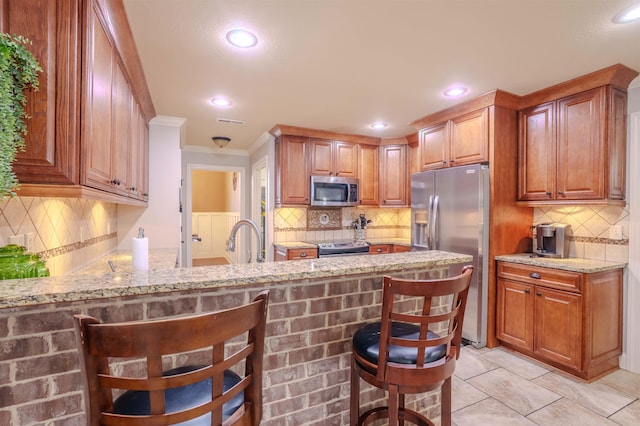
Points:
[[341, 65]]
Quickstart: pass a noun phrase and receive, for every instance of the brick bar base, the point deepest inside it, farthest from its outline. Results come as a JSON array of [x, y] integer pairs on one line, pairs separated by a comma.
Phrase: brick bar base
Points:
[[307, 353]]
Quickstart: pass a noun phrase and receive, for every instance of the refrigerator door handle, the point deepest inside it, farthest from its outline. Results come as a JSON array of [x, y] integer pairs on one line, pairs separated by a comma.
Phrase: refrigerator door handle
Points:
[[429, 221], [434, 224]]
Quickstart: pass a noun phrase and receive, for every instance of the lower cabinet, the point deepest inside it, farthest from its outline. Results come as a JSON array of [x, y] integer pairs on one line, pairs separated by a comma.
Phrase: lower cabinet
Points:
[[387, 248], [570, 320], [295, 254]]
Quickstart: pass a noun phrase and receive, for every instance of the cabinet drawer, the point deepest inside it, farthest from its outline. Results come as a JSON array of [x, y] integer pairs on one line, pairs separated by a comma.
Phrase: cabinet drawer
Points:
[[297, 254], [552, 278], [380, 249]]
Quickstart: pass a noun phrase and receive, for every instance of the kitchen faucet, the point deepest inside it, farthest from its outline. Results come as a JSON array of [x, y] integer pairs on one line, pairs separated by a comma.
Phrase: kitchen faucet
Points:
[[231, 242]]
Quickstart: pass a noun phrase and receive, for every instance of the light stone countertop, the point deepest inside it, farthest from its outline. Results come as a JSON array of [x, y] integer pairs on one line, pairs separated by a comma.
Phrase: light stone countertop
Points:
[[567, 264], [69, 288], [122, 261]]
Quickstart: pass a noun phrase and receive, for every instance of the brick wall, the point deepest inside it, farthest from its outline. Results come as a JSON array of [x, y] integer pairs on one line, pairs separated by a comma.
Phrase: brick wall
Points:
[[307, 350]]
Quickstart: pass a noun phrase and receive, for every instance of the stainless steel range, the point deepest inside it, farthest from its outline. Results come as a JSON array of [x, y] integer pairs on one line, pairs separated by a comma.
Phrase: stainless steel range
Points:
[[342, 248]]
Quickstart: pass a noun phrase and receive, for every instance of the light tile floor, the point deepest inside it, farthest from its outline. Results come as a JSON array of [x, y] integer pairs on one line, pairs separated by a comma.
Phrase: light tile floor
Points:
[[499, 387]]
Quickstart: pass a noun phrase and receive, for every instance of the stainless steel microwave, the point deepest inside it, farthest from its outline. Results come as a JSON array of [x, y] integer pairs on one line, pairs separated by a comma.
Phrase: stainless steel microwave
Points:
[[334, 191]]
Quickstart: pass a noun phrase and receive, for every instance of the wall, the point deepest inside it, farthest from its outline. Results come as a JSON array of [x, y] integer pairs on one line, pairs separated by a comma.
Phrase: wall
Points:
[[209, 191], [161, 218], [306, 360]]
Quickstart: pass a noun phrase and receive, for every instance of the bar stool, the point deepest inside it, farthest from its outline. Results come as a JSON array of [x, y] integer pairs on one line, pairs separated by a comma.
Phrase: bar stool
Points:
[[410, 352], [223, 387]]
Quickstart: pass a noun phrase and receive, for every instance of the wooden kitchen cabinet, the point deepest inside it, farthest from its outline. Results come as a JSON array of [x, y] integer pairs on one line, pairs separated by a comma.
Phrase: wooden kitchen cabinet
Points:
[[295, 254], [397, 248], [79, 141], [380, 248], [292, 172], [572, 141], [458, 141], [393, 175], [570, 320], [333, 158], [369, 175]]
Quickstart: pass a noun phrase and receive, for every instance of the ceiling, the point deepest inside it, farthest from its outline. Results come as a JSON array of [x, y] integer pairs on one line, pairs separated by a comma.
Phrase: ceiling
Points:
[[341, 65]]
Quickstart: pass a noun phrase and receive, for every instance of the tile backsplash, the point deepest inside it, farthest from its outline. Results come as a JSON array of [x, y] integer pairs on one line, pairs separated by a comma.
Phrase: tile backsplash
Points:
[[67, 232], [299, 224], [591, 227]]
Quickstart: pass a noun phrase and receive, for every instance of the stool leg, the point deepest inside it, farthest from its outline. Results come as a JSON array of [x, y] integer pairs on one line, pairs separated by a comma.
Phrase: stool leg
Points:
[[401, 407], [354, 404], [445, 403], [394, 405]]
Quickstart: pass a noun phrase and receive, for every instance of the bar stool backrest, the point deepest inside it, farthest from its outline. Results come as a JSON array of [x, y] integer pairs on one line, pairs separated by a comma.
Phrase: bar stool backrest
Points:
[[231, 339]]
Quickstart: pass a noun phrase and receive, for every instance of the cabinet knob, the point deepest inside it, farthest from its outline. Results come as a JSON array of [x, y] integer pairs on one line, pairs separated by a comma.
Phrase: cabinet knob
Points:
[[528, 291], [535, 275], [548, 194], [560, 192], [337, 173], [133, 188], [444, 162], [379, 250], [116, 181], [538, 293], [303, 254]]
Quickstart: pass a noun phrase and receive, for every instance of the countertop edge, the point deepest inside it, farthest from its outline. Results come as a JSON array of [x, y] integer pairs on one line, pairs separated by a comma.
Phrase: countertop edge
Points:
[[588, 266], [31, 292]]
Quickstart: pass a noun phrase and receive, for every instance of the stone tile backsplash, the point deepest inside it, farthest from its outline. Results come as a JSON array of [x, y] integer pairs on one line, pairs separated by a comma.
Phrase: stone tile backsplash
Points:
[[591, 227], [299, 224], [67, 232]]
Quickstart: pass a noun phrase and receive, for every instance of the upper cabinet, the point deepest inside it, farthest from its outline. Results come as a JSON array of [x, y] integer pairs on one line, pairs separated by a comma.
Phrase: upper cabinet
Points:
[[369, 175], [292, 170], [572, 148], [333, 158], [455, 142], [393, 175], [88, 135]]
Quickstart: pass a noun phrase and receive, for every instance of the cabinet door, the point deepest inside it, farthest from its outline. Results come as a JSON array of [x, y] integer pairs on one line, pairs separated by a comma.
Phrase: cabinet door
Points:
[[581, 147], [321, 156], [536, 153], [515, 310], [122, 138], [97, 126], [52, 141], [346, 159], [470, 138], [393, 175], [617, 139], [558, 326], [434, 147], [292, 173], [380, 249], [369, 175]]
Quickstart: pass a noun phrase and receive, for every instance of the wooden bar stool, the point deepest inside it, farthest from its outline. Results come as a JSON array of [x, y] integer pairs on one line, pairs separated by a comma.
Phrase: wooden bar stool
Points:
[[222, 387], [412, 352]]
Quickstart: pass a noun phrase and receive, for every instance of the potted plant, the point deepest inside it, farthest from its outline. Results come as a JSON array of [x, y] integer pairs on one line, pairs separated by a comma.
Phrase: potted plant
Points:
[[18, 71]]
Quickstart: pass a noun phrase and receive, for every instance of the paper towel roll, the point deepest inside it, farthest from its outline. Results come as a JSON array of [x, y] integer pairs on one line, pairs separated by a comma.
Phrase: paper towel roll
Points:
[[141, 254]]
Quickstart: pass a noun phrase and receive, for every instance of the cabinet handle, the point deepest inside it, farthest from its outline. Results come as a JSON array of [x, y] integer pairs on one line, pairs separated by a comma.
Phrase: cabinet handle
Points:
[[133, 188], [535, 275], [379, 250], [145, 194], [303, 254], [330, 173], [560, 193], [528, 291], [444, 162], [538, 293], [116, 181], [548, 194], [452, 161], [337, 173]]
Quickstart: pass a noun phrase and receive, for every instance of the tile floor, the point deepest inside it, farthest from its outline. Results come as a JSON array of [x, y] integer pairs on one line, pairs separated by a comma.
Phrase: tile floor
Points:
[[499, 387]]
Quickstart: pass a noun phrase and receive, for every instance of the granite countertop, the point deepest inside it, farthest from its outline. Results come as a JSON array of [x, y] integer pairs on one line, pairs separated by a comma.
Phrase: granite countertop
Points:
[[34, 291], [295, 245], [122, 261], [567, 264]]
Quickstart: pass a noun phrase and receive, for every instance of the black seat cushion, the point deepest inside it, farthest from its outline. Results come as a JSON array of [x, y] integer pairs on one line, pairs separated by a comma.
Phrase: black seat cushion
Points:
[[366, 343], [177, 399]]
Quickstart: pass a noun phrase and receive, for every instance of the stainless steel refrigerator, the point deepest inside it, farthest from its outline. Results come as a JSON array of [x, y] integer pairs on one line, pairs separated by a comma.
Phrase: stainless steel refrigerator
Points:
[[449, 210]]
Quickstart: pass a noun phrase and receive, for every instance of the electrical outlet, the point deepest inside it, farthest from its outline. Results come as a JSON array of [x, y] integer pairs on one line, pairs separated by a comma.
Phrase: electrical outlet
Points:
[[17, 239], [615, 232], [30, 241]]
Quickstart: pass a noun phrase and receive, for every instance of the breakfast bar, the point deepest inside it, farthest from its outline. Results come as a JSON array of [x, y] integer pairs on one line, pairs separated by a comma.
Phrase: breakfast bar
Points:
[[315, 306]]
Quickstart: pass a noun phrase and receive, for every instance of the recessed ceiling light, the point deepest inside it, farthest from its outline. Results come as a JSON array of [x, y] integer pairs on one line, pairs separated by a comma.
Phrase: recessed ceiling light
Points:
[[220, 101], [455, 91], [242, 38], [629, 14], [379, 126]]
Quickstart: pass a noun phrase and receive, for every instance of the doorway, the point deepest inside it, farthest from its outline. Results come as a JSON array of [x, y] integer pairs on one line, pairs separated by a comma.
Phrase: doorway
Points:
[[213, 206]]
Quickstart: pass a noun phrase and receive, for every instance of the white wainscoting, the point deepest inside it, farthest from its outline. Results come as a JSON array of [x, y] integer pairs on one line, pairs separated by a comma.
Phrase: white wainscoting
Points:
[[213, 228]]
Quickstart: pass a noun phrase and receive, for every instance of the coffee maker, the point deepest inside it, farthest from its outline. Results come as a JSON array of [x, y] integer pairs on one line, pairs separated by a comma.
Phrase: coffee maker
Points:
[[551, 239]]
